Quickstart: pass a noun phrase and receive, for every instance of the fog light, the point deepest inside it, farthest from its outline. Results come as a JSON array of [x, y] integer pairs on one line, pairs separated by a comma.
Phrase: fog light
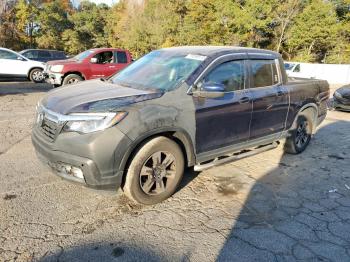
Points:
[[77, 172], [68, 170]]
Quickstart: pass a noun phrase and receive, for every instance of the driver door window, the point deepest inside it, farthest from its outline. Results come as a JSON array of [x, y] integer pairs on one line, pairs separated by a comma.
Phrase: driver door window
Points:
[[7, 55], [230, 74], [104, 57]]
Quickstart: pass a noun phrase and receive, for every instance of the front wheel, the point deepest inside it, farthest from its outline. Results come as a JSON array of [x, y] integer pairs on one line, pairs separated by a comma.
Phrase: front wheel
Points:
[[300, 136], [155, 171], [36, 75], [72, 79]]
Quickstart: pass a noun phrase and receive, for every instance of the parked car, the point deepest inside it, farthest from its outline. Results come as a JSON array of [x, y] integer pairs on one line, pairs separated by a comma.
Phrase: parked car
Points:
[[175, 108], [43, 55], [90, 64], [341, 99], [15, 65]]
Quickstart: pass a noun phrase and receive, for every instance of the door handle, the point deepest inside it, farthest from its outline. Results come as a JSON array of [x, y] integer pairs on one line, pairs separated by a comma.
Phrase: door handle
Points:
[[111, 66], [280, 93], [244, 100]]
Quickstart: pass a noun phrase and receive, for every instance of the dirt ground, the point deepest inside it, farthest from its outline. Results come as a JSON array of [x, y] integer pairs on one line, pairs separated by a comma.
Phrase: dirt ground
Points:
[[269, 207]]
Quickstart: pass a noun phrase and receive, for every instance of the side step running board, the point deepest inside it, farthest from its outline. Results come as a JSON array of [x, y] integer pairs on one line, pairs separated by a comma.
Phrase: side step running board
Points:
[[235, 156]]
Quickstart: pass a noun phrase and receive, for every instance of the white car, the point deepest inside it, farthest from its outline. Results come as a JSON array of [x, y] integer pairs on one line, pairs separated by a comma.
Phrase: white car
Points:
[[15, 65]]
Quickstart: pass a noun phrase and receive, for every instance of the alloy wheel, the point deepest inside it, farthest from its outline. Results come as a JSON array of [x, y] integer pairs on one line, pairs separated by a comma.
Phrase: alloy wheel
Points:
[[302, 134], [157, 173], [37, 76]]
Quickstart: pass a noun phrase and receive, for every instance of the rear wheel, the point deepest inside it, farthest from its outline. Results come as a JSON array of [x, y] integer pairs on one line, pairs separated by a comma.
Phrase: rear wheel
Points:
[[72, 79], [36, 75], [155, 171], [300, 136]]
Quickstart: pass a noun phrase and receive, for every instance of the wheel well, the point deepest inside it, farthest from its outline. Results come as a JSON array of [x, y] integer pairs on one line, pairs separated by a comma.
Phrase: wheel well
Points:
[[173, 135], [30, 70], [75, 73], [310, 111]]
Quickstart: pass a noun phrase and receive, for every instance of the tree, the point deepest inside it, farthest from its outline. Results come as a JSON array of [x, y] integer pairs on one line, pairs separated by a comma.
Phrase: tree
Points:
[[341, 52], [254, 22], [314, 32], [208, 22], [26, 13], [52, 20], [284, 15], [9, 33], [87, 28]]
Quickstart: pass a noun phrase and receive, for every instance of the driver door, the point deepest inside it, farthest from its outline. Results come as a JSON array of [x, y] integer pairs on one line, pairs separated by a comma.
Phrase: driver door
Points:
[[104, 65], [224, 121], [12, 64]]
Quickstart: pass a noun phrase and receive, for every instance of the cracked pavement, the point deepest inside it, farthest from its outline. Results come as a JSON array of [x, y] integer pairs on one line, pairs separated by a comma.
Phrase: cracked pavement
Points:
[[269, 207]]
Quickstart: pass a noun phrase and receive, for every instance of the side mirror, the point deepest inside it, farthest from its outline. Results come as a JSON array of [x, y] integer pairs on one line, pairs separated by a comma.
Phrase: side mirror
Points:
[[20, 58], [210, 90], [93, 60]]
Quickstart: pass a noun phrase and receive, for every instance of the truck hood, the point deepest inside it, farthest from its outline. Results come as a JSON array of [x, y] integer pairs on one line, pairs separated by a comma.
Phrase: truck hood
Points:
[[94, 96], [63, 62]]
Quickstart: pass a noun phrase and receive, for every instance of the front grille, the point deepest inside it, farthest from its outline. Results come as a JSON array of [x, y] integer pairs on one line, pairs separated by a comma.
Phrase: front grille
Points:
[[49, 129]]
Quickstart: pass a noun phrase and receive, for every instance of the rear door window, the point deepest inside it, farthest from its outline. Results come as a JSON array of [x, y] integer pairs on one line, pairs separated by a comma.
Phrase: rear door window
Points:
[[264, 73], [44, 54], [121, 57], [230, 74], [57, 55]]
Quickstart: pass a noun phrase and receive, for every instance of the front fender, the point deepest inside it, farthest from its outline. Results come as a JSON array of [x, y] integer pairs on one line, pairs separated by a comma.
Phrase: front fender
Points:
[[177, 134]]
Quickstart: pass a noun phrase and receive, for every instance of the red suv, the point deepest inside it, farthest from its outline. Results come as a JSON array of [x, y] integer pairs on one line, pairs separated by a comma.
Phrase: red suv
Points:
[[90, 64]]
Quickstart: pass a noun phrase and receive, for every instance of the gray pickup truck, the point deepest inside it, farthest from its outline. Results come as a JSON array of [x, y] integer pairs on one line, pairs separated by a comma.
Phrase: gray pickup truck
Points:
[[171, 109]]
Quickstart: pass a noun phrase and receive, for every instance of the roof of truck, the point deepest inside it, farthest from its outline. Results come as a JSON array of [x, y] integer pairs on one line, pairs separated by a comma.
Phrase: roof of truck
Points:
[[218, 50]]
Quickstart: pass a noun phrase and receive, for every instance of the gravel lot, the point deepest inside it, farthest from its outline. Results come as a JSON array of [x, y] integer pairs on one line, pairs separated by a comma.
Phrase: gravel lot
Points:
[[269, 207]]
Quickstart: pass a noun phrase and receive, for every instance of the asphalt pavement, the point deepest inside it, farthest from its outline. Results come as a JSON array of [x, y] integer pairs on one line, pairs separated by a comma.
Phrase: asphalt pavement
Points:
[[269, 207]]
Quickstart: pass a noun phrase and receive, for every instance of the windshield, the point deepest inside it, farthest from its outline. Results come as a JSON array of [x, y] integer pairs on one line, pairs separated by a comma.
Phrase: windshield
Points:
[[288, 66], [162, 70], [83, 55]]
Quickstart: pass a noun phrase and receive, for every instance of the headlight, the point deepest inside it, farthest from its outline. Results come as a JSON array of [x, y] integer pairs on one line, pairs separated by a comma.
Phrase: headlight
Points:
[[56, 68], [92, 122]]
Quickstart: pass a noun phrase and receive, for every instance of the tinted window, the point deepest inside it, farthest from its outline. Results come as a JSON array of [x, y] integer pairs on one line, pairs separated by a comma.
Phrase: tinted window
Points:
[[230, 74], [121, 57], [264, 73], [59, 55], [297, 68], [44, 54], [104, 57], [31, 54], [7, 55], [288, 66]]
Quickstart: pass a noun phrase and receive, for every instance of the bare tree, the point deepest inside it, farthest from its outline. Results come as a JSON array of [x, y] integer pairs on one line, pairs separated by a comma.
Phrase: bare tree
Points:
[[284, 15]]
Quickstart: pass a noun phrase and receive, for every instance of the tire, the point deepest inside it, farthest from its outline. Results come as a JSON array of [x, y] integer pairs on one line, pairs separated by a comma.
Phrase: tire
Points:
[[147, 181], [72, 79], [300, 136], [36, 75]]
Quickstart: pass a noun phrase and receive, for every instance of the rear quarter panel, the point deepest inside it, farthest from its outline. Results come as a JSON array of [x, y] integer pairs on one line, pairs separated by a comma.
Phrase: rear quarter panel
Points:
[[305, 91]]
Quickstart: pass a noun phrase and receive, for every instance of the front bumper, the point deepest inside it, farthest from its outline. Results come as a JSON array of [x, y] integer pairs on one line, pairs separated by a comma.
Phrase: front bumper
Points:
[[97, 155], [53, 78], [338, 105]]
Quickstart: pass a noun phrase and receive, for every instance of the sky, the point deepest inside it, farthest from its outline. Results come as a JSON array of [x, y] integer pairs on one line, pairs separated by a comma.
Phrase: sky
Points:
[[108, 2]]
